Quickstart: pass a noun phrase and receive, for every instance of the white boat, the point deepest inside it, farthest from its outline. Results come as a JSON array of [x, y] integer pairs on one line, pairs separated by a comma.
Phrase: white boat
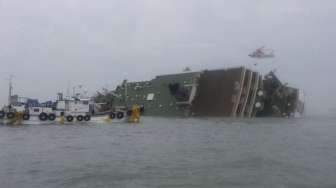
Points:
[[70, 110], [45, 116], [34, 120]]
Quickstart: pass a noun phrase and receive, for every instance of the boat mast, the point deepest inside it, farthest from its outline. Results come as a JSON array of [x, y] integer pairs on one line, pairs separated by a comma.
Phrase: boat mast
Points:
[[10, 89], [68, 90]]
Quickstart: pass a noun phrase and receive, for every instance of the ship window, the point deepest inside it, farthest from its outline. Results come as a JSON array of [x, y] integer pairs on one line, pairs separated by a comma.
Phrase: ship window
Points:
[[36, 110], [137, 87], [150, 96]]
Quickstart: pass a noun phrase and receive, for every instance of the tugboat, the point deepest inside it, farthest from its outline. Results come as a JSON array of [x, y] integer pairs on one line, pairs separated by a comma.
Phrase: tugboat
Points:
[[75, 109], [66, 111]]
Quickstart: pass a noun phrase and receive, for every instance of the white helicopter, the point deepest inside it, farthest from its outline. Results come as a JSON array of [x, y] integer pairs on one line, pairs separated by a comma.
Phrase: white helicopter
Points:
[[262, 53]]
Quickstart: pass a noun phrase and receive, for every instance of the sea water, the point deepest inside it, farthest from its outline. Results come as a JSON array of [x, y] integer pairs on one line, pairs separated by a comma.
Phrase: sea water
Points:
[[170, 152]]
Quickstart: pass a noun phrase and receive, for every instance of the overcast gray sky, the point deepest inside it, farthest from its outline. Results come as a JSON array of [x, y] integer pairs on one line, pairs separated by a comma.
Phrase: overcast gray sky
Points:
[[46, 43]]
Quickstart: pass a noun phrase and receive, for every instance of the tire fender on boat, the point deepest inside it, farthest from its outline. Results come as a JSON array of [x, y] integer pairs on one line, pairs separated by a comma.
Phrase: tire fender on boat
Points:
[[26, 116], [87, 118], [69, 118], [120, 115], [43, 116], [129, 112], [2, 114], [10, 115], [112, 115], [80, 118], [51, 117]]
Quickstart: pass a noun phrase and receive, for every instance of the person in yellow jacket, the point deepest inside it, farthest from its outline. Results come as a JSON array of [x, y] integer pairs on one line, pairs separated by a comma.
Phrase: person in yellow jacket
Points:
[[61, 120], [135, 117], [17, 120]]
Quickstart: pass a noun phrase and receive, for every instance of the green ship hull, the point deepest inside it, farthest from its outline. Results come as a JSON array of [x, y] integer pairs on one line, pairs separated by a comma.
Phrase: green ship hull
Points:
[[233, 92]]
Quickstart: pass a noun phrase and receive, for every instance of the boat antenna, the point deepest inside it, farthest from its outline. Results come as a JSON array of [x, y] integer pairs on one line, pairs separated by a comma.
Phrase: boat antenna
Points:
[[68, 89], [73, 91], [125, 85], [10, 88]]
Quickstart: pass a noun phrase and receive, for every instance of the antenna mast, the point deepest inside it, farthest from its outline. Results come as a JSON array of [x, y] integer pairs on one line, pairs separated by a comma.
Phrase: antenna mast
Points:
[[10, 89], [68, 90]]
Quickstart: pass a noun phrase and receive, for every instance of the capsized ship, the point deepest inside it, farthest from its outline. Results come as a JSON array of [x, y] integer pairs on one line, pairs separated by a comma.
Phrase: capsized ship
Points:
[[232, 92]]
